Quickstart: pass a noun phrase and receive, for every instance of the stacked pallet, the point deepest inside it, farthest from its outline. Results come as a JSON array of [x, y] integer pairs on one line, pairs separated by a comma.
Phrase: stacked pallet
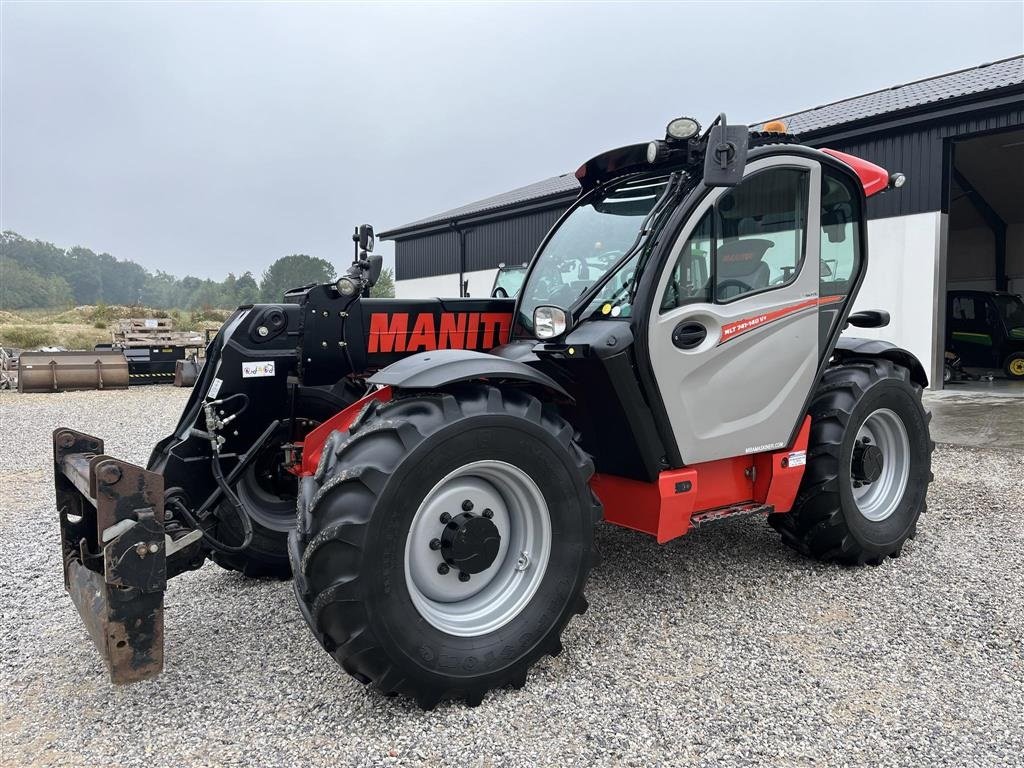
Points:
[[152, 332]]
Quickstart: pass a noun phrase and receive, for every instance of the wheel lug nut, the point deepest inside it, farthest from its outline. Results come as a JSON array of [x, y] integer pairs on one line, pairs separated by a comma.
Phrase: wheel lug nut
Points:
[[463, 576], [467, 505], [443, 568], [445, 517], [435, 543], [488, 513]]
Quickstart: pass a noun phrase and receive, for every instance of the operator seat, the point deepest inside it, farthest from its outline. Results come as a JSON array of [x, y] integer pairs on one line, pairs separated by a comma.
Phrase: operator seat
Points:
[[741, 266]]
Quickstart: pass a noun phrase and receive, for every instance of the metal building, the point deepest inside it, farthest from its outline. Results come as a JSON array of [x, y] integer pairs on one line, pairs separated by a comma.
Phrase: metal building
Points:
[[958, 222]]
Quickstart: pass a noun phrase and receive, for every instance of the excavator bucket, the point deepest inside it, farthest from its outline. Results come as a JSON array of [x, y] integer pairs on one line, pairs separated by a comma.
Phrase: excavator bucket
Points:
[[115, 565]]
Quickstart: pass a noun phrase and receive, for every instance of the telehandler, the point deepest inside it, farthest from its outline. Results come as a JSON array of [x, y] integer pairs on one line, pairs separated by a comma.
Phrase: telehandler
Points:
[[431, 472]]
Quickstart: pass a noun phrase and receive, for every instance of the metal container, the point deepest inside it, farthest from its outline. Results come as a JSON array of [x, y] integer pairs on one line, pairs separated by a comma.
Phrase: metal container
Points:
[[153, 365], [186, 372], [69, 371]]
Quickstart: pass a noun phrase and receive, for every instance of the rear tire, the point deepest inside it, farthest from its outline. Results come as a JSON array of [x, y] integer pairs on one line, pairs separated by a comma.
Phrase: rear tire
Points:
[[366, 528], [868, 466], [1014, 366], [270, 501]]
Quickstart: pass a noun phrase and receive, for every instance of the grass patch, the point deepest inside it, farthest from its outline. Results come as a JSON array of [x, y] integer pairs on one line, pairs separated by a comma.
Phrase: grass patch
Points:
[[84, 327], [27, 336]]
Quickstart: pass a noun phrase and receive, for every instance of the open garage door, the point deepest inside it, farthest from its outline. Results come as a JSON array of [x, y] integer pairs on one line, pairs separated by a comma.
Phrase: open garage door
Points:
[[984, 312]]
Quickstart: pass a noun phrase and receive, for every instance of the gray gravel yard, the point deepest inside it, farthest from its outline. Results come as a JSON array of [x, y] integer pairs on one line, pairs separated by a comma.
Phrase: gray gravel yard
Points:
[[719, 648]]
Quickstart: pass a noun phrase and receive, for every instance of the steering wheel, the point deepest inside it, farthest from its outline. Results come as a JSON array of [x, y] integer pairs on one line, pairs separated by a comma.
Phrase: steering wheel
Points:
[[499, 293], [725, 285]]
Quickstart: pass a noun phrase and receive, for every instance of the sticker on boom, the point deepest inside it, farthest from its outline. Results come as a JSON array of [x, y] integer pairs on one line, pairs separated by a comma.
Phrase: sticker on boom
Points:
[[257, 369]]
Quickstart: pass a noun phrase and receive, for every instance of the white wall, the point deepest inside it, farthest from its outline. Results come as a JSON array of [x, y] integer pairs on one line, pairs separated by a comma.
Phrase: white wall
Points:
[[905, 277], [446, 286]]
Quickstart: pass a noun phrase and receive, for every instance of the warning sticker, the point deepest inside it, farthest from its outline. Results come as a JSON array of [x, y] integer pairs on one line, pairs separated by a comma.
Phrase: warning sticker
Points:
[[214, 389], [797, 458], [255, 370]]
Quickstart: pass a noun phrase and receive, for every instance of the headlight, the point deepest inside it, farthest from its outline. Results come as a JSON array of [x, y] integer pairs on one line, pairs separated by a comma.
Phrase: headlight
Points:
[[346, 286], [682, 128], [549, 322]]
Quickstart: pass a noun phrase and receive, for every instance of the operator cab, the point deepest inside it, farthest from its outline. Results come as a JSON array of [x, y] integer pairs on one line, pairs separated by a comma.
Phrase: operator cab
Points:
[[697, 287]]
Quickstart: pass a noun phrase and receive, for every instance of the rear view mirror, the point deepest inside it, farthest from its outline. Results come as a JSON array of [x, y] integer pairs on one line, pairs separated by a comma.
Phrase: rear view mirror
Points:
[[366, 239], [726, 154]]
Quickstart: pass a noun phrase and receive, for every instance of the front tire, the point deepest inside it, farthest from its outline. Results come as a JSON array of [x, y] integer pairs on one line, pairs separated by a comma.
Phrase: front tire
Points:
[[868, 466], [378, 577], [268, 493]]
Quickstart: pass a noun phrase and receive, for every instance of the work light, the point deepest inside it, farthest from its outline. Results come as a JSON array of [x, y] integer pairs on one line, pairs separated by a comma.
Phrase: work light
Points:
[[549, 322], [346, 286], [682, 128], [657, 151]]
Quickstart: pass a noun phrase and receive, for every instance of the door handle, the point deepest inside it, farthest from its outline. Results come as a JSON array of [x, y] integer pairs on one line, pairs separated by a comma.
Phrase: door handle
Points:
[[689, 334]]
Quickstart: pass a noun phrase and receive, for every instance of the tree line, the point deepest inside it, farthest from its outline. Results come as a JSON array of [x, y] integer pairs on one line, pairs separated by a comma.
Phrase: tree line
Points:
[[37, 274]]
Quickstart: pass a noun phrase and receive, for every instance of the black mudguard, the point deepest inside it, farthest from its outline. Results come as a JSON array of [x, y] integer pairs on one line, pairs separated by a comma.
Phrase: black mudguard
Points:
[[429, 370], [850, 346]]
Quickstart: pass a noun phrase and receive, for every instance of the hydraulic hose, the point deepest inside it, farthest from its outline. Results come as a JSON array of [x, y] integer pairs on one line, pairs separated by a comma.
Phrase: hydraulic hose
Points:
[[222, 483], [243, 518]]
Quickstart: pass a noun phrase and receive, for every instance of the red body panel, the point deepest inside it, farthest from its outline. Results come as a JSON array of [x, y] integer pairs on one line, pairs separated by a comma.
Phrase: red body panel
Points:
[[664, 508], [313, 445], [872, 177]]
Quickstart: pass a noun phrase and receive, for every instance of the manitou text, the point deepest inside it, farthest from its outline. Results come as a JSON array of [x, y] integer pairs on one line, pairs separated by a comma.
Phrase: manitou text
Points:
[[426, 331]]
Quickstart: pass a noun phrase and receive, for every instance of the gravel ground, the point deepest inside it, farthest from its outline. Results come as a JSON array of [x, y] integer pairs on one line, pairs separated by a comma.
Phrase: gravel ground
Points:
[[719, 648]]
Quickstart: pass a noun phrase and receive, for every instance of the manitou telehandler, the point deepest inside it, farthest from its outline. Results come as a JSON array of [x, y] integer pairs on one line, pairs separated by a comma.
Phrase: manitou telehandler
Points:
[[431, 472]]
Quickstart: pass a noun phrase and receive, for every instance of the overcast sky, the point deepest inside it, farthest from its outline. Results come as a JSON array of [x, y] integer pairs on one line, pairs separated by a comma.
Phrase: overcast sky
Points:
[[203, 138]]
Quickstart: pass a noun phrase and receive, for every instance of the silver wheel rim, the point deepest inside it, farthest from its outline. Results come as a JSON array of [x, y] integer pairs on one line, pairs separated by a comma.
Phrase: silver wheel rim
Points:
[[878, 500], [495, 596]]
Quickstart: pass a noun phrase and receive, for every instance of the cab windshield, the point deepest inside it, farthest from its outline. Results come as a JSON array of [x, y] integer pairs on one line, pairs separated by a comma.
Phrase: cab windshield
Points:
[[508, 281], [588, 243], [1011, 312]]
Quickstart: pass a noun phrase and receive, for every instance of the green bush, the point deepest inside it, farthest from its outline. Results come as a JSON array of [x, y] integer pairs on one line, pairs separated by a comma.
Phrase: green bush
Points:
[[26, 336], [102, 312], [101, 324], [80, 340]]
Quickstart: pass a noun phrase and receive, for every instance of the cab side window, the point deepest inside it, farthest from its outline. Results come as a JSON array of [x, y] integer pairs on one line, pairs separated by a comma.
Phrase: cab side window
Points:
[[963, 308], [760, 232], [689, 281], [840, 236], [753, 240]]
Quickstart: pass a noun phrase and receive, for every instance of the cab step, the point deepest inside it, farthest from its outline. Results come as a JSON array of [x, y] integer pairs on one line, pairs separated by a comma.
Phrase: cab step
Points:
[[736, 510]]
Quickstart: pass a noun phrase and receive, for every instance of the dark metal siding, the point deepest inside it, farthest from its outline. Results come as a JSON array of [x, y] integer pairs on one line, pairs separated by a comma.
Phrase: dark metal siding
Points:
[[512, 239], [917, 152]]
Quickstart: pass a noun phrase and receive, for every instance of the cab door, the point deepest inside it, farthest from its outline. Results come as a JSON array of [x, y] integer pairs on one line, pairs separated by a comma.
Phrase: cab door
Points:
[[734, 329]]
